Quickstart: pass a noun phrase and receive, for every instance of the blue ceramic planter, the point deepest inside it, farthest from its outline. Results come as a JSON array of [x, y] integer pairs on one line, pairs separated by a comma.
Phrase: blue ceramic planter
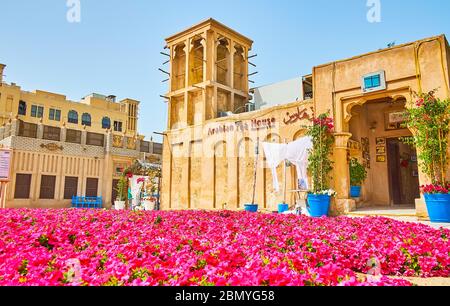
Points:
[[318, 205], [282, 208], [438, 206], [355, 191], [251, 207]]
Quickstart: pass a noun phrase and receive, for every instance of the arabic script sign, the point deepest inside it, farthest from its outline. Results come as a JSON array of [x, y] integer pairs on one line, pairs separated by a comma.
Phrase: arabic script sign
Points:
[[299, 115]]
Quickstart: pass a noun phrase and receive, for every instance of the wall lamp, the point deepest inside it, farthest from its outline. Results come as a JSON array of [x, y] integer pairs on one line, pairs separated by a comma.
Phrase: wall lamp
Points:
[[373, 127]]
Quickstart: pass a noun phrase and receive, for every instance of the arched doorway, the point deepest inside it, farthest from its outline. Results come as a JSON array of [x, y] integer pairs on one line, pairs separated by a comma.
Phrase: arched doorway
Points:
[[377, 126]]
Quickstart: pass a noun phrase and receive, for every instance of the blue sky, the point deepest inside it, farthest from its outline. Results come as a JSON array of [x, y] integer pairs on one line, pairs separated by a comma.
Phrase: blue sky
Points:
[[115, 48]]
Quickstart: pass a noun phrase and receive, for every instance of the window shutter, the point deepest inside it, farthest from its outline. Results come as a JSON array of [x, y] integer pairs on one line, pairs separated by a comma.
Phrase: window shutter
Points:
[[91, 187], [23, 185], [70, 187], [95, 139], [47, 187], [52, 133], [73, 136]]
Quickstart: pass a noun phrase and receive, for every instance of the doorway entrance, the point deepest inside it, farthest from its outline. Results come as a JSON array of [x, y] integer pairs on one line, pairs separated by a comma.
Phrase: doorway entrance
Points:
[[403, 173]]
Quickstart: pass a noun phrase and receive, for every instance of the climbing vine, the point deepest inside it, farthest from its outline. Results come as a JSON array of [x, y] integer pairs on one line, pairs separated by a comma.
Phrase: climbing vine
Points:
[[319, 162], [429, 118]]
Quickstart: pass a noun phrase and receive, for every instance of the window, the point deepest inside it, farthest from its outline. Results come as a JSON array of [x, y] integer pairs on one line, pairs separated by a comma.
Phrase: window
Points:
[[374, 82], [70, 187], [91, 187], [72, 117], [73, 136], [52, 133], [106, 123], [27, 129], [86, 119], [37, 111], [47, 187], [117, 126], [94, 139], [145, 146], [54, 114], [22, 108], [23, 184], [157, 148]]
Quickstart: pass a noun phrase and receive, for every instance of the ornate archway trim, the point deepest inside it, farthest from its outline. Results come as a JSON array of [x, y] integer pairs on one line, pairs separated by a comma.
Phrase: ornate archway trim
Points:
[[348, 103]]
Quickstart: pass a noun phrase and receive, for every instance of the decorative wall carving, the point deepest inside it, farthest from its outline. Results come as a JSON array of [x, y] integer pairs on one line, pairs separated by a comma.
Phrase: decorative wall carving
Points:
[[117, 141], [131, 144], [52, 147]]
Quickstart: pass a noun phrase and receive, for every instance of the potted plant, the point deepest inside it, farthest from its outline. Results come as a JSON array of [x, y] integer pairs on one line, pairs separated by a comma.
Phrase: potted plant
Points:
[[429, 121], [152, 188], [122, 193], [358, 174], [149, 203], [320, 165]]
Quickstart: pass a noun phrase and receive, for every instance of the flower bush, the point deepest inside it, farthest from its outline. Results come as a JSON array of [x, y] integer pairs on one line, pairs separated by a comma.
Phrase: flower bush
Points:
[[319, 162], [429, 119], [124, 248], [435, 189], [329, 192]]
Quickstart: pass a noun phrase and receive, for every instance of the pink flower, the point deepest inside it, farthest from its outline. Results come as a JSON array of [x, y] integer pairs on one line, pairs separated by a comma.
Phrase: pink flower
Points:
[[93, 247]]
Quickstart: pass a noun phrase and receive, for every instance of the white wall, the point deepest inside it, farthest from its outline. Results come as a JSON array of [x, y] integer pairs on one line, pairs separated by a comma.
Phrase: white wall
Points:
[[279, 93]]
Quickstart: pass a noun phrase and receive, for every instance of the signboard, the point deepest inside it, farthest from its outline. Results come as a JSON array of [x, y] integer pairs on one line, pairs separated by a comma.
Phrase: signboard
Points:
[[396, 120], [268, 123], [397, 117], [5, 164]]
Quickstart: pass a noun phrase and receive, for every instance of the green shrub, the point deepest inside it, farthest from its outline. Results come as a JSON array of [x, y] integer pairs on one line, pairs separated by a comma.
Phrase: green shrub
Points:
[[358, 173]]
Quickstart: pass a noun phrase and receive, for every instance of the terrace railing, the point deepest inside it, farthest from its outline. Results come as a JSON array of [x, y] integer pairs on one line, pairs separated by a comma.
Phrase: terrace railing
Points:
[[87, 202]]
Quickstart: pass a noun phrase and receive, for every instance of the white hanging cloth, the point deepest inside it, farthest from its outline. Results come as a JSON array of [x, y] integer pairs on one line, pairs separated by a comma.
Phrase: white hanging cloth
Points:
[[296, 152], [275, 154]]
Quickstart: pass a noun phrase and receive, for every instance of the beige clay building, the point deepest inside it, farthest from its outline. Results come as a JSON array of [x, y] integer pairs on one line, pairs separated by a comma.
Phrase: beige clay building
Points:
[[208, 157], [61, 148]]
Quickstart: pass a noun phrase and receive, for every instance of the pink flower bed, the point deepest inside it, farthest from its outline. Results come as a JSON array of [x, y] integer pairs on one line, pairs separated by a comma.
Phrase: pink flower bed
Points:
[[89, 247]]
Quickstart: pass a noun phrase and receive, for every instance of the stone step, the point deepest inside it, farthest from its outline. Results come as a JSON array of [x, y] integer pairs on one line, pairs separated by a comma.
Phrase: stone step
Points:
[[385, 213]]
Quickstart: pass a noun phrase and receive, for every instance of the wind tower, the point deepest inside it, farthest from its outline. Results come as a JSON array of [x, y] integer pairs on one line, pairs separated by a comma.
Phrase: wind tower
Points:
[[208, 75]]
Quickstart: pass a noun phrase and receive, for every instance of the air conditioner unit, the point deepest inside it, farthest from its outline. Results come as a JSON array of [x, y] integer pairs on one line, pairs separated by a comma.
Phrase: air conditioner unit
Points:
[[250, 107], [224, 114]]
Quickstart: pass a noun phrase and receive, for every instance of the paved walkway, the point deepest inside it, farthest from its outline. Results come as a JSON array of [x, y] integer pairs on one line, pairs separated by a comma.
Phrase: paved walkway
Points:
[[401, 214]]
